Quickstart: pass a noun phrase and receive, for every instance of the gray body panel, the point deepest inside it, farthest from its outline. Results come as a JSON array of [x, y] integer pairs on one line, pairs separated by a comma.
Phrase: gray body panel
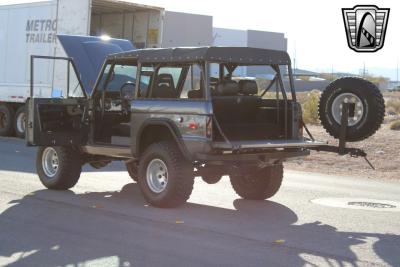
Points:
[[173, 114]]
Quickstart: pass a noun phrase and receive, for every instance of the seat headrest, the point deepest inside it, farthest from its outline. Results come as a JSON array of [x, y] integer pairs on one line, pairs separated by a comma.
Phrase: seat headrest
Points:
[[227, 88], [164, 91], [165, 78], [248, 87], [195, 94]]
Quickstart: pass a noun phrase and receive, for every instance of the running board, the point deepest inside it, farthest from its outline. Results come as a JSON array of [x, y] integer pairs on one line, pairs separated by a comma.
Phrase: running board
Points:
[[236, 145], [107, 150]]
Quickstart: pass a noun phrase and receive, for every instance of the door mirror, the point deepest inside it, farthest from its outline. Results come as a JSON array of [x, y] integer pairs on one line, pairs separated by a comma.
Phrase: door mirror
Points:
[[128, 90]]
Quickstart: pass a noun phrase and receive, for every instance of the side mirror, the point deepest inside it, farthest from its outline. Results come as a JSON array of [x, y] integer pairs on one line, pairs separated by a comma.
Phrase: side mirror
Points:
[[128, 90]]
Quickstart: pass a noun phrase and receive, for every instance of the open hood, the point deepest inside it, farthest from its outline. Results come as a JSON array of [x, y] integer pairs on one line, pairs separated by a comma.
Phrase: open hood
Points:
[[89, 53]]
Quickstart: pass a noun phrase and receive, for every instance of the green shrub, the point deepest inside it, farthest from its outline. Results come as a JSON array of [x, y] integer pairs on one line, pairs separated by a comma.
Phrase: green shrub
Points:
[[393, 105], [309, 102], [395, 125]]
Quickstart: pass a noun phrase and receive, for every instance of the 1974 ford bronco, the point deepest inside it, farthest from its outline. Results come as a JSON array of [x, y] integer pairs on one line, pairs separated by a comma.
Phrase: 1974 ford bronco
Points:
[[178, 113]]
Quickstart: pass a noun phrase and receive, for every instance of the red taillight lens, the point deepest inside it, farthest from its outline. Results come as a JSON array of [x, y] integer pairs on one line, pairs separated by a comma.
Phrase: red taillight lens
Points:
[[193, 125]]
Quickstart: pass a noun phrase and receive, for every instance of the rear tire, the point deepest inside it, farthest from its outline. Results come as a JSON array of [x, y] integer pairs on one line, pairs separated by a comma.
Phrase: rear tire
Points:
[[369, 112], [20, 122], [59, 168], [165, 176], [99, 164], [6, 120], [132, 168], [259, 184], [212, 174]]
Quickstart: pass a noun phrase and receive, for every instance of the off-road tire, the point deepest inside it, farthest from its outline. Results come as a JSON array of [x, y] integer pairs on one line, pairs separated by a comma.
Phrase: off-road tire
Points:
[[211, 174], [20, 112], [211, 178], [68, 172], [258, 185], [7, 114], [99, 164], [180, 175], [373, 105], [133, 170]]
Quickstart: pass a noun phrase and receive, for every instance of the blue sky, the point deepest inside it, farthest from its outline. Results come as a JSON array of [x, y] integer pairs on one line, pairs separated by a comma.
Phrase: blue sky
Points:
[[313, 28]]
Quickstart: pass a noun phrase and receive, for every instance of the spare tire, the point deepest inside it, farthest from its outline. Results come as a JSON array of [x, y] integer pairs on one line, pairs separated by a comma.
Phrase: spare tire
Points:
[[367, 112]]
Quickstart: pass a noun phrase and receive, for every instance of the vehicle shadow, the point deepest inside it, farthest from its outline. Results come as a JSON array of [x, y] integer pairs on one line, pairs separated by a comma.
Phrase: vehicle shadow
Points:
[[16, 157], [49, 228]]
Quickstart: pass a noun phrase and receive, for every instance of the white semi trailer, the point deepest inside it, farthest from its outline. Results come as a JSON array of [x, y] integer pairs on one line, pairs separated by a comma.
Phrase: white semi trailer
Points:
[[32, 29]]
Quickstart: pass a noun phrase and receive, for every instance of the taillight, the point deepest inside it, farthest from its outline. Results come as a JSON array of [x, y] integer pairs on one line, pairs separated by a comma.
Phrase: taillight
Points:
[[193, 125], [209, 127]]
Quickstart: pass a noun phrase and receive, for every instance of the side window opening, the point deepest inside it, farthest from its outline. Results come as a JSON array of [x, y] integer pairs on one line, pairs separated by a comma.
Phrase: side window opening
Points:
[[193, 85], [121, 75], [146, 76], [172, 82], [166, 82]]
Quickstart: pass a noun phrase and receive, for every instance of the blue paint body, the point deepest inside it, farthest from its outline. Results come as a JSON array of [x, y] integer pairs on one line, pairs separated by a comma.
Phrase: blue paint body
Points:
[[89, 53]]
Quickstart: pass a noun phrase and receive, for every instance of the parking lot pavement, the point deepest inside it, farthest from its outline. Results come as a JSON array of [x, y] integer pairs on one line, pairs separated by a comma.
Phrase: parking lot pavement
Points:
[[104, 221]]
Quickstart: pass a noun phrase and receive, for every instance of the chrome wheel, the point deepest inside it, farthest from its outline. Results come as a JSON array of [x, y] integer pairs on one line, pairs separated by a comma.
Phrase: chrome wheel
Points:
[[50, 162], [20, 122], [157, 175], [337, 107]]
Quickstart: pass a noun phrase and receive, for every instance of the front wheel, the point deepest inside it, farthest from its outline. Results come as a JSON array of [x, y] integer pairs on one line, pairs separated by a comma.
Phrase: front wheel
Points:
[[165, 176], [259, 184], [58, 168]]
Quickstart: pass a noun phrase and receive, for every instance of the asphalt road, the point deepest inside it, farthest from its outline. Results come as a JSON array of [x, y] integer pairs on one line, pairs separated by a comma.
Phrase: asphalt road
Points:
[[104, 221]]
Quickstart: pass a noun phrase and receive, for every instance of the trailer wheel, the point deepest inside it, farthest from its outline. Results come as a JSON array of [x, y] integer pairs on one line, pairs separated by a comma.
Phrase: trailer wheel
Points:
[[6, 120], [165, 176], [20, 122], [368, 108], [58, 168], [259, 184]]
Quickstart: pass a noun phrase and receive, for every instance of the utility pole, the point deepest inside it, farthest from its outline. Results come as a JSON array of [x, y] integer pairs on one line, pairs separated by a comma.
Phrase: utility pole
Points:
[[294, 59], [364, 70], [397, 73]]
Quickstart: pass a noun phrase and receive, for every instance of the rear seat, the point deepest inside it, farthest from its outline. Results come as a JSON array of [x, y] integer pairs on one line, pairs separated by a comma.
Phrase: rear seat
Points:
[[236, 102]]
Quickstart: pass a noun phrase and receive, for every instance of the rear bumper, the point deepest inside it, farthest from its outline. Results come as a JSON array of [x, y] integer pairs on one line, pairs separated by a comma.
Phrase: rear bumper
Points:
[[263, 157], [265, 144]]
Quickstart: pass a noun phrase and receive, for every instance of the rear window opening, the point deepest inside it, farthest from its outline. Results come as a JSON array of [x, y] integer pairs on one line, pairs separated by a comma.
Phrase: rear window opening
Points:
[[251, 107]]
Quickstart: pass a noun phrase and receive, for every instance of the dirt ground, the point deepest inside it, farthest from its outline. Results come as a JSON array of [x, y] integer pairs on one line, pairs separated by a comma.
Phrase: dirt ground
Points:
[[383, 151]]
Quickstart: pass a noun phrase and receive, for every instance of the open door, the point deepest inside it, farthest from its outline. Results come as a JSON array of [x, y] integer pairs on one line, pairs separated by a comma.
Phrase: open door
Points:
[[62, 118], [57, 120]]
